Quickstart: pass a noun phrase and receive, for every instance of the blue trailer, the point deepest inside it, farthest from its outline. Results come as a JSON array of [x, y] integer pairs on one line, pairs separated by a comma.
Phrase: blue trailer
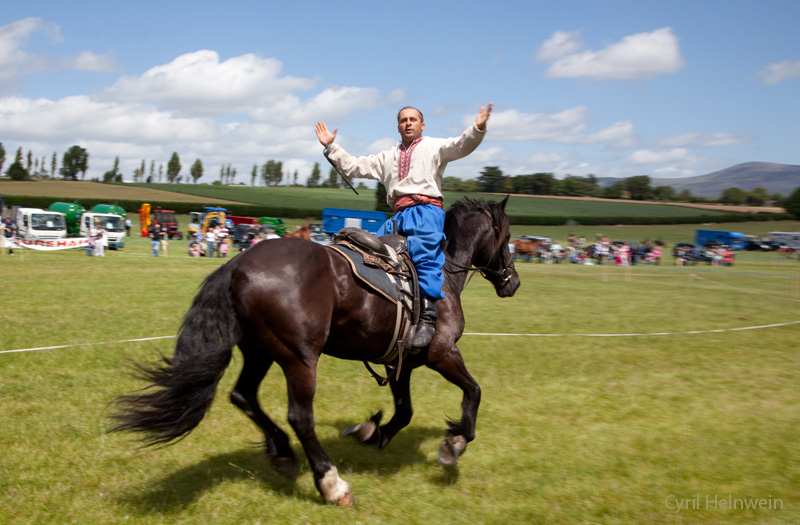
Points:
[[334, 219], [708, 238]]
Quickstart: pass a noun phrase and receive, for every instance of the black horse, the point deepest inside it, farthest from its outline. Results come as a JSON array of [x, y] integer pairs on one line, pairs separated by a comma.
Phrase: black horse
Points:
[[288, 301]]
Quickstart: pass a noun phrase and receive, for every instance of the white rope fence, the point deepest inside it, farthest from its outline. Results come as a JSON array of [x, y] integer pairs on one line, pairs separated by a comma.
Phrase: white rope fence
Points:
[[499, 334]]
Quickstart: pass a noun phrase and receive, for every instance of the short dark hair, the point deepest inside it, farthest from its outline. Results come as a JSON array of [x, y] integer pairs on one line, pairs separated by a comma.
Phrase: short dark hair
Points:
[[421, 118]]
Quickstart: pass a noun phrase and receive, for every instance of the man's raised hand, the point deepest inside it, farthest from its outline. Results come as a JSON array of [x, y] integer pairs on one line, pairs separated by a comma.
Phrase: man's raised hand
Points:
[[324, 135], [483, 116]]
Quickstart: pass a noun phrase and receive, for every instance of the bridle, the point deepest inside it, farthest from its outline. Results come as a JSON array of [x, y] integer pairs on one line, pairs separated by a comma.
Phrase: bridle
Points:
[[485, 271], [504, 274]]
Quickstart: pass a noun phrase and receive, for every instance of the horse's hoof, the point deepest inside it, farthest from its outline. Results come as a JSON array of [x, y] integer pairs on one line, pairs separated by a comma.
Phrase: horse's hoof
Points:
[[364, 431], [451, 449], [348, 500], [286, 467]]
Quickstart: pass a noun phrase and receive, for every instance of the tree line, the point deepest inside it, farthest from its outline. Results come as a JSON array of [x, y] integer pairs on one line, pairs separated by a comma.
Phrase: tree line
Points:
[[75, 162], [639, 187]]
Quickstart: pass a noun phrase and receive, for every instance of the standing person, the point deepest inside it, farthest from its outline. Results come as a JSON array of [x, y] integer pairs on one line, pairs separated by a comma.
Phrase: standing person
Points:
[[100, 240], [154, 232], [165, 240], [90, 241], [128, 225], [211, 240], [9, 234], [222, 238], [412, 172]]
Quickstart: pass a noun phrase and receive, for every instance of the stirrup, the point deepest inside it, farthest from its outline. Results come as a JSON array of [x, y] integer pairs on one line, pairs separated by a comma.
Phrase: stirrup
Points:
[[423, 334]]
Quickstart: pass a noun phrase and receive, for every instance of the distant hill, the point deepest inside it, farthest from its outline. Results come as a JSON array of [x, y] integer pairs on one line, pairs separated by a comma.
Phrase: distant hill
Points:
[[775, 178]]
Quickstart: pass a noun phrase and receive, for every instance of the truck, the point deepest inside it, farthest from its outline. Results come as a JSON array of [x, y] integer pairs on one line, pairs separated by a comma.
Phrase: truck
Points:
[[169, 221], [707, 238], [276, 224], [79, 222], [113, 209], [36, 223], [202, 221], [72, 214], [113, 224], [334, 219], [236, 220], [788, 239]]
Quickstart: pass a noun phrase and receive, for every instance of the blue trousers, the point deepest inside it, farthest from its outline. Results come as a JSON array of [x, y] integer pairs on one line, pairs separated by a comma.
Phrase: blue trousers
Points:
[[423, 227]]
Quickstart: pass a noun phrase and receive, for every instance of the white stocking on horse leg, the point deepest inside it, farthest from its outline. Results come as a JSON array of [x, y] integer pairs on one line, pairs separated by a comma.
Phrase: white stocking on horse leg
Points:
[[336, 490]]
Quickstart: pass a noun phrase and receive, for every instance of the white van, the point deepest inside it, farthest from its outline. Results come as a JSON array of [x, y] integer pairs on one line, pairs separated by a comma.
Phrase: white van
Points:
[[35, 223], [114, 225], [790, 239]]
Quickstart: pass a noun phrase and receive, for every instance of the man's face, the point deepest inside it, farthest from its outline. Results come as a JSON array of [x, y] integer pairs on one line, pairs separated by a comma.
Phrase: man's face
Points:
[[410, 125]]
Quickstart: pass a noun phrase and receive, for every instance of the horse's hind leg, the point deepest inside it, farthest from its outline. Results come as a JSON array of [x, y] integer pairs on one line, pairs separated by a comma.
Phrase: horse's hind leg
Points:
[[245, 396], [451, 366], [301, 378]]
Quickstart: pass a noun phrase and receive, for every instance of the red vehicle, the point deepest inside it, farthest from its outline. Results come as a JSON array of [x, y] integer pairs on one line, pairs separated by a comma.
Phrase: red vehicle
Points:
[[242, 220], [168, 220]]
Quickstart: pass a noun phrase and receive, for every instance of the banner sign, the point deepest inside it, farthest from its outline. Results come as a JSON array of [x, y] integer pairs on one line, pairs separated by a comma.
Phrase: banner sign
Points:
[[47, 245]]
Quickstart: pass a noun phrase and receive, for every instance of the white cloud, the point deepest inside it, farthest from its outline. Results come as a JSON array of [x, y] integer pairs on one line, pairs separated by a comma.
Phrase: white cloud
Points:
[[674, 172], [16, 62], [88, 61], [779, 71], [88, 119], [174, 107], [644, 156], [13, 39], [333, 104], [567, 126], [642, 55], [199, 83], [560, 44], [700, 140]]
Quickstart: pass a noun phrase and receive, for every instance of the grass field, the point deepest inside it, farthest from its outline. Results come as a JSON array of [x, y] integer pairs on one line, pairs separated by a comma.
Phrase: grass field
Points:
[[70, 190], [318, 198], [585, 418]]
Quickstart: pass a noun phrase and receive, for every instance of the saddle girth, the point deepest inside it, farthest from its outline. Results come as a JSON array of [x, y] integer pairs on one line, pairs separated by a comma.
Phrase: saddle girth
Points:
[[390, 254]]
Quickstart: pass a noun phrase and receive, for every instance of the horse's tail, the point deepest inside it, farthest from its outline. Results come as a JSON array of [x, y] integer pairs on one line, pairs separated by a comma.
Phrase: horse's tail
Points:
[[183, 387]]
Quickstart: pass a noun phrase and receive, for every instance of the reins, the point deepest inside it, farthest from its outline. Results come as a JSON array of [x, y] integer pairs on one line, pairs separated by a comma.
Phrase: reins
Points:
[[483, 270]]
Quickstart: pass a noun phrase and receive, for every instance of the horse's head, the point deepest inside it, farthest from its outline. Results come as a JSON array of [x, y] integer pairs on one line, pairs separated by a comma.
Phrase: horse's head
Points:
[[477, 238]]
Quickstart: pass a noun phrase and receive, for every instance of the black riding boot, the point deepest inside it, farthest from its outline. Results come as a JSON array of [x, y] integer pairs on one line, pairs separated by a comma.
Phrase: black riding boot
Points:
[[427, 324]]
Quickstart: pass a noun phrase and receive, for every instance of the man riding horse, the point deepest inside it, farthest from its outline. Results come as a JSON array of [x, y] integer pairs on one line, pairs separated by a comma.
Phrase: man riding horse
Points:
[[293, 301], [412, 173]]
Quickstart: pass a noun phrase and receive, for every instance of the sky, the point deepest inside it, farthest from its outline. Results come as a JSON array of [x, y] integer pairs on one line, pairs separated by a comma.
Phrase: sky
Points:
[[608, 88]]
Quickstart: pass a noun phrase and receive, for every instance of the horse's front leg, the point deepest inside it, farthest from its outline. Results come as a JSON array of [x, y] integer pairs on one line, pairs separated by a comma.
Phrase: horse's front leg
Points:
[[451, 366], [301, 380], [371, 432]]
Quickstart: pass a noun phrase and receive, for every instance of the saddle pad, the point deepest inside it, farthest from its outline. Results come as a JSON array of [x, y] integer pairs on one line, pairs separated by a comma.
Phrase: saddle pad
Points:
[[375, 278]]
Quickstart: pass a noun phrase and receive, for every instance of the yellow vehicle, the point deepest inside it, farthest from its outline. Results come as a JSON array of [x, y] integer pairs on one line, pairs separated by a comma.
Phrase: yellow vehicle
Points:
[[202, 221]]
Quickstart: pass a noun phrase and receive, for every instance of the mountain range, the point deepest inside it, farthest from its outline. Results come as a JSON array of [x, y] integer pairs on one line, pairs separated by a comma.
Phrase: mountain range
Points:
[[775, 178]]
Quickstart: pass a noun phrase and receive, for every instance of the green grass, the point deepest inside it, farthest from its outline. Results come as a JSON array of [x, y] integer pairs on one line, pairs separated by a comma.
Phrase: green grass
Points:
[[571, 428], [298, 197]]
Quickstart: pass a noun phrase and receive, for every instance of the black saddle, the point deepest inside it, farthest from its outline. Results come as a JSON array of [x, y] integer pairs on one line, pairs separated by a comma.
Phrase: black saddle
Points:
[[372, 244]]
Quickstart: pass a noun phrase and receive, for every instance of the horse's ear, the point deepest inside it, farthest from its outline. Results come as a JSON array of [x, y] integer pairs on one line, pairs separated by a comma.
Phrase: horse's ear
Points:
[[503, 203]]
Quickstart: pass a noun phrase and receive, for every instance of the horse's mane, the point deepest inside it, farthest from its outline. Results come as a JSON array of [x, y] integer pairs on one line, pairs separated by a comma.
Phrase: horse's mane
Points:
[[464, 208]]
